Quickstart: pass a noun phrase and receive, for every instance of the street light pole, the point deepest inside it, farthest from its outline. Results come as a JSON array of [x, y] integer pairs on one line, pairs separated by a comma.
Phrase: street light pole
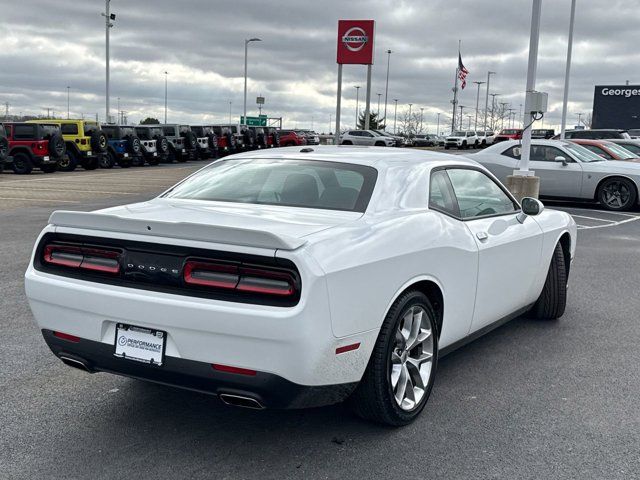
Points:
[[230, 103], [477, 104], [493, 107], [379, 95], [565, 95], [357, 106], [395, 114], [421, 114], [438, 125], [68, 89], [486, 100], [504, 108], [461, 107], [386, 91], [579, 118], [166, 74], [107, 17], [246, 50]]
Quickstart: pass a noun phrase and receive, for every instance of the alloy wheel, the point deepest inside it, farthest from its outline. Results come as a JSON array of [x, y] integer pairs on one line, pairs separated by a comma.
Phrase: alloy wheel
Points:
[[411, 358], [616, 194]]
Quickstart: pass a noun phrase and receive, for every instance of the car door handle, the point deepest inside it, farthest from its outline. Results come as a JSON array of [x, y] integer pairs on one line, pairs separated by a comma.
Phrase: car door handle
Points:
[[482, 235]]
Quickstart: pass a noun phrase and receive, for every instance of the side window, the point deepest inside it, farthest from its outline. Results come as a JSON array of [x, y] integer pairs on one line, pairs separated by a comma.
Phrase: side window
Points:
[[599, 151], [513, 152], [545, 153], [478, 195], [440, 194], [23, 132], [168, 131], [69, 129]]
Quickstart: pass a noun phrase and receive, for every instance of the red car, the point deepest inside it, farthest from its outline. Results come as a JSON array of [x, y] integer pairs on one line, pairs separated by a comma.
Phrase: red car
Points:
[[289, 138], [508, 134], [34, 145], [607, 150]]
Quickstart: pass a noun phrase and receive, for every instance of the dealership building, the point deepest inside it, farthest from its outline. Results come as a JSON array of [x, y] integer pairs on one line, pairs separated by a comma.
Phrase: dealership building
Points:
[[616, 106]]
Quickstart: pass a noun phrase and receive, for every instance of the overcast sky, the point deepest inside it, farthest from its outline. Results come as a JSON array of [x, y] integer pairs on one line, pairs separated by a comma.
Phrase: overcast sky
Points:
[[47, 46]]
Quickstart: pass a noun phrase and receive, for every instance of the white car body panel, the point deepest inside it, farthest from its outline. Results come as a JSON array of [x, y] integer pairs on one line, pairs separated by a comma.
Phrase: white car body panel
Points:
[[352, 268]]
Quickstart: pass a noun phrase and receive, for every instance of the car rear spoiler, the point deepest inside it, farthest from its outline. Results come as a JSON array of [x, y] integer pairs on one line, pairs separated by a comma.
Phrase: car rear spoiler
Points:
[[183, 230]]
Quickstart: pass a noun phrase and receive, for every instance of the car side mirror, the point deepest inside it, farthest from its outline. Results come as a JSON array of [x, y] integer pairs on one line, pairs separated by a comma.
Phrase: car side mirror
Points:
[[561, 159], [530, 207]]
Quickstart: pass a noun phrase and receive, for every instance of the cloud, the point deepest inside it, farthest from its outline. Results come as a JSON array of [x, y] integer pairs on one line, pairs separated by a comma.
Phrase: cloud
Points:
[[200, 43]]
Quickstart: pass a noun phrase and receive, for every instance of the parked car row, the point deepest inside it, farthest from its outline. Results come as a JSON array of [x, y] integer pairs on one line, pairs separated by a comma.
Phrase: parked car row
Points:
[[66, 144]]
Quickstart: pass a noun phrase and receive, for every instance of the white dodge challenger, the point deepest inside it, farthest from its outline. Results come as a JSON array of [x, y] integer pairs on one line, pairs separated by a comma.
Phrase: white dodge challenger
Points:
[[300, 277]]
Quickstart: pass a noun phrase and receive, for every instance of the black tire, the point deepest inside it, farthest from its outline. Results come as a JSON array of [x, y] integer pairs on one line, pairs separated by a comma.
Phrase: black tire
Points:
[[90, 163], [22, 164], [617, 194], [379, 144], [373, 399], [446, 147], [344, 142], [108, 161], [56, 146], [4, 149], [553, 300], [49, 168], [125, 162], [152, 161], [99, 141], [69, 162]]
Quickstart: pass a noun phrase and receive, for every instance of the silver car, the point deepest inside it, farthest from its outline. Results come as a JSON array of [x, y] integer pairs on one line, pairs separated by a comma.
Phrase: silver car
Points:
[[366, 137], [567, 170]]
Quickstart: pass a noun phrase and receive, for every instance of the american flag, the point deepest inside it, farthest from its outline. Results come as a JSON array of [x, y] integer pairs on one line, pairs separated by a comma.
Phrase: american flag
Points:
[[462, 72]]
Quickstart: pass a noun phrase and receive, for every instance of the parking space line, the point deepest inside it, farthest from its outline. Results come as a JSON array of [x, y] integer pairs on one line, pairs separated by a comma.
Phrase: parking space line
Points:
[[65, 190], [593, 218], [628, 220], [39, 200]]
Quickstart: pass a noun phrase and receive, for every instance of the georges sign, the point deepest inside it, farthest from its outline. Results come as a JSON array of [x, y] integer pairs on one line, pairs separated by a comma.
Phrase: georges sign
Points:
[[616, 106], [620, 92], [355, 42]]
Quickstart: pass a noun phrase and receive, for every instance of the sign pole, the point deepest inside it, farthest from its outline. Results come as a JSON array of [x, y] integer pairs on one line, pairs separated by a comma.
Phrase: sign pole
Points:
[[336, 140], [368, 101]]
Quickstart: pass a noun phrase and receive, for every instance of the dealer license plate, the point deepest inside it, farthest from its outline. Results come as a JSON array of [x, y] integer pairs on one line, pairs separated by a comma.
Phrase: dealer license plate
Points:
[[140, 344]]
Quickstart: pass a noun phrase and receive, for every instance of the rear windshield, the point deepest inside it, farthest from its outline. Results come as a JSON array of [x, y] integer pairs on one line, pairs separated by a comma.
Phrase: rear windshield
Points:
[[293, 183], [124, 131]]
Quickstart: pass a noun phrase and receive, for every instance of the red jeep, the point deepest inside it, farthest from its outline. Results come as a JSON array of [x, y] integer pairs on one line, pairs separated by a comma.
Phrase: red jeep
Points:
[[35, 145], [289, 138], [508, 134]]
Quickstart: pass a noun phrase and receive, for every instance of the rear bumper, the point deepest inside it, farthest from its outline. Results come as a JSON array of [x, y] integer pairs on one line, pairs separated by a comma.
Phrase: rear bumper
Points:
[[269, 390]]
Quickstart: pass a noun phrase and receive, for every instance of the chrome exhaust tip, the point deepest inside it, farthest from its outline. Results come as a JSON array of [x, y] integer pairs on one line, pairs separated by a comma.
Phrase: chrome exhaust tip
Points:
[[75, 363], [241, 401]]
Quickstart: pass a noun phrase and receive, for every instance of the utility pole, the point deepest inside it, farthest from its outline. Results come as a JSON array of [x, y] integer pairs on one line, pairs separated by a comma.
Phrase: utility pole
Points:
[[108, 25], [565, 95], [166, 75], [68, 88], [438, 125], [493, 108], [378, 113], [410, 120], [502, 110], [421, 114], [386, 91], [6, 110], [246, 51], [486, 100], [461, 107], [579, 118], [395, 114], [229, 112], [357, 106], [477, 103]]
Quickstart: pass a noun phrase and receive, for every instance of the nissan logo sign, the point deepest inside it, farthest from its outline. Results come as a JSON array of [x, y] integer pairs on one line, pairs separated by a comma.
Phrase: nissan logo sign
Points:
[[355, 39]]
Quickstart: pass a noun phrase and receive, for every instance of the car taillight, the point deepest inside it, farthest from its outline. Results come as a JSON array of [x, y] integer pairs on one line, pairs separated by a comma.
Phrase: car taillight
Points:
[[249, 279], [83, 258]]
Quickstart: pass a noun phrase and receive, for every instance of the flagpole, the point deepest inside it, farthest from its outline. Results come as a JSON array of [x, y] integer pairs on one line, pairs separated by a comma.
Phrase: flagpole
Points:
[[455, 93]]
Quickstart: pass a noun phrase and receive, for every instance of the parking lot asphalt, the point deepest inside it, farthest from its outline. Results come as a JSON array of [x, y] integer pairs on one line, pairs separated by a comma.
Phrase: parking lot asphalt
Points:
[[529, 400]]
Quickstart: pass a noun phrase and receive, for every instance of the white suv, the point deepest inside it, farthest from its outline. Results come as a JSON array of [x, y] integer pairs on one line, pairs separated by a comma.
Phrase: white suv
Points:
[[462, 139], [366, 137]]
